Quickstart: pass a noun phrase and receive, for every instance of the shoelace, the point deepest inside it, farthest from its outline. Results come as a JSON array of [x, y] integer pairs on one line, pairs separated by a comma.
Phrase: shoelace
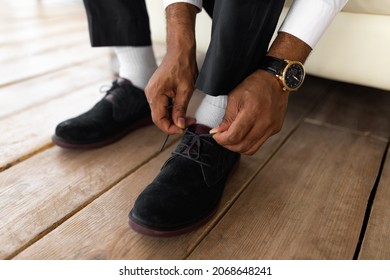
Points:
[[164, 143], [169, 108], [191, 151]]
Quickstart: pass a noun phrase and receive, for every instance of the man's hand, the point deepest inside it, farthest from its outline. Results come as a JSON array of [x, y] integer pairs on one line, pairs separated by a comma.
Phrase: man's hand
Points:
[[256, 107], [175, 78], [255, 111]]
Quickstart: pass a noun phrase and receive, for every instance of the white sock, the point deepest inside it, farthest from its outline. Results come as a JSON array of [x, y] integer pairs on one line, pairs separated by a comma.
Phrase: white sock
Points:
[[136, 64], [211, 110]]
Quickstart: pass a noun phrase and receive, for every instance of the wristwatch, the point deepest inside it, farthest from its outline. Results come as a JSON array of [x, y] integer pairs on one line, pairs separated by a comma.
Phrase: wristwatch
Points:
[[289, 73]]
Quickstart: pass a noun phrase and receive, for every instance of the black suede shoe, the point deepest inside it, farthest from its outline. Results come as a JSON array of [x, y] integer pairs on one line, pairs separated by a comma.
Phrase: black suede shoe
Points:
[[123, 109], [187, 191]]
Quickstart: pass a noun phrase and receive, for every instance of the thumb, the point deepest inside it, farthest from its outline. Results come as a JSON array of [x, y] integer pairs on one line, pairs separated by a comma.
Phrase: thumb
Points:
[[222, 127], [227, 120], [179, 110]]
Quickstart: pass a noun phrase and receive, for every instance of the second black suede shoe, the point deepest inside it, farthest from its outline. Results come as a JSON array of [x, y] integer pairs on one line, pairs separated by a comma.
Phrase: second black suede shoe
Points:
[[188, 189], [123, 109]]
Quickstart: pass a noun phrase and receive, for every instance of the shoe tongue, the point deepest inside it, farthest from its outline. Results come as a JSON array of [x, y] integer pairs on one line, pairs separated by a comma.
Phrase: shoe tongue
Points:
[[192, 143], [199, 129], [123, 81], [119, 100]]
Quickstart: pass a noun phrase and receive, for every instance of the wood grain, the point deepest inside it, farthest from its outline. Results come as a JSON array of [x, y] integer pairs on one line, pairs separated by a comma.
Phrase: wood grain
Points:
[[80, 238], [27, 132], [307, 203], [19, 70], [303, 196], [356, 108], [376, 244], [40, 192], [41, 31], [22, 50], [19, 15], [32, 49], [37, 91]]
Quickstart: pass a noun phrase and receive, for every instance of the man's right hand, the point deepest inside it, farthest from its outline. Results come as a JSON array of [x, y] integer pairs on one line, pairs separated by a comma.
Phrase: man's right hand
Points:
[[175, 77]]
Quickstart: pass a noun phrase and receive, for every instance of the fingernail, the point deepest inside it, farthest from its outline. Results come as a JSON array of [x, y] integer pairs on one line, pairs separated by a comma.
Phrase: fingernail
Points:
[[214, 130], [181, 123]]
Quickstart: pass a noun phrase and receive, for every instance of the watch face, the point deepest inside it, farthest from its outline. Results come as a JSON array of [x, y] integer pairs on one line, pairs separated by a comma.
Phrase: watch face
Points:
[[294, 74]]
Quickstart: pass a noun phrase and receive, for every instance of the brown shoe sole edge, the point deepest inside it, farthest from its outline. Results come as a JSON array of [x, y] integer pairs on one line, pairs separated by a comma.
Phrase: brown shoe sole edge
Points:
[[158, 232], [78, 146]]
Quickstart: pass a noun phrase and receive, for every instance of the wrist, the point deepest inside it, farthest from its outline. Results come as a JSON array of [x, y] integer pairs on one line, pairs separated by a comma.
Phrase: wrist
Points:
[[285, 60], [181, 27], [289, 47], [290, 74]]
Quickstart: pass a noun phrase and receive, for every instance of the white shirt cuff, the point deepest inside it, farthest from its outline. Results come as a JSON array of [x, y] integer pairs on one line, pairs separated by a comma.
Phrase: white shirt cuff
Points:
[[308, 19], [197, 3]]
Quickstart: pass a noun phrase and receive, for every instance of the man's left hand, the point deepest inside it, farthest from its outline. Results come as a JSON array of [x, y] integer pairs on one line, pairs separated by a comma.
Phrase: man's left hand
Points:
[[255, 111]]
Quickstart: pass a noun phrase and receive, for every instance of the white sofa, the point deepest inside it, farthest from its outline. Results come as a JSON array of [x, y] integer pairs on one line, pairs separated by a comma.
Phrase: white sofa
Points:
[[354, 49]]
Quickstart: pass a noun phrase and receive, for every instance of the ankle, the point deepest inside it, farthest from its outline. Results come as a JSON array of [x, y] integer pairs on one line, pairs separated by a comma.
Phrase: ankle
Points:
[[211, 110], [136, 64]]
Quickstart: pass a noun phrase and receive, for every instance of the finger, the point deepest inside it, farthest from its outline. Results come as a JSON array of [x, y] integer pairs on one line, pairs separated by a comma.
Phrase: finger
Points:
[[260, 133], [179, 108], [248, 147], [253, 148], [161, 115], [228, 118], [190, 121], [222, 127], [237, 131], [168, 126]]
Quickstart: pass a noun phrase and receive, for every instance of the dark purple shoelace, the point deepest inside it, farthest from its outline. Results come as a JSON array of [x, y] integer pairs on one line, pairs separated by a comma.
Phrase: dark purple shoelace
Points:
[[192, 151]]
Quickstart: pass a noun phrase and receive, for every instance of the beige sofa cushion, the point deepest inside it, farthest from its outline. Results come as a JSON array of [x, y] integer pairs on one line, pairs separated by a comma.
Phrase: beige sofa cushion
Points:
[[377, 7]]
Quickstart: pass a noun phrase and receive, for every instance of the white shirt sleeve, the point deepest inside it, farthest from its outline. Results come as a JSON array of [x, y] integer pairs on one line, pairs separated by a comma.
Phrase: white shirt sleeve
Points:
[[197, 3], [308, 19]]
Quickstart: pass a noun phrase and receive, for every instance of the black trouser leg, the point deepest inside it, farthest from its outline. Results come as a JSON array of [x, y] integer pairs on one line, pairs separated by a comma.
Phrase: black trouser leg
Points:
[[241, 33], [118, 22]]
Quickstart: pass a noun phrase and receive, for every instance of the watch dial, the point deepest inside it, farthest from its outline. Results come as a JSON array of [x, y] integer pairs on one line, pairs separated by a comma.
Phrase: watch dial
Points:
[[294, 76]]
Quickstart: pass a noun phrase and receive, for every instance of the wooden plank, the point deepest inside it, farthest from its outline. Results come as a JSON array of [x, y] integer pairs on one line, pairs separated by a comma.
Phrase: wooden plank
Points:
[[49, 187], [21, 96], [15, 25], [80, 237], [33, 108], [376, 244], [40, 192], [38, 46], [100, 230], [45, 63], [307, 203], [356, 107], [41, 31], [26, 133], [19, 12], [35, 91], [30, 130]]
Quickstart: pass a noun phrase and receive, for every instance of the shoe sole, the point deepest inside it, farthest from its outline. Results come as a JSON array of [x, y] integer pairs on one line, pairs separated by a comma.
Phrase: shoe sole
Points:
[[86, 146], [160, 232]]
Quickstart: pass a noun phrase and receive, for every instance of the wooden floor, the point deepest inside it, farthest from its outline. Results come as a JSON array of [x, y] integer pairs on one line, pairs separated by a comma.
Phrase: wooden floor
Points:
[[320, 189]]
